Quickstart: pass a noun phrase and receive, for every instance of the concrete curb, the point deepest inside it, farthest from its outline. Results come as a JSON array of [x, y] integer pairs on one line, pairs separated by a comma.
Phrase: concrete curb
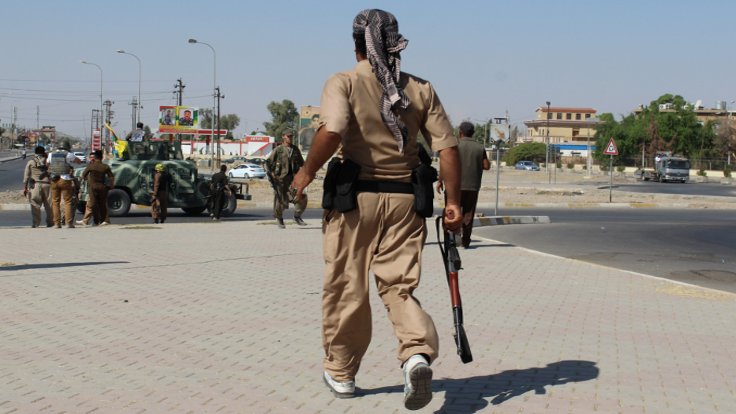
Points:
[[501, 220]]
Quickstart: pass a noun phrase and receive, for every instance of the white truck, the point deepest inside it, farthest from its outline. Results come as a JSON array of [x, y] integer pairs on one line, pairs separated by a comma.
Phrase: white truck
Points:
[[666, 168]]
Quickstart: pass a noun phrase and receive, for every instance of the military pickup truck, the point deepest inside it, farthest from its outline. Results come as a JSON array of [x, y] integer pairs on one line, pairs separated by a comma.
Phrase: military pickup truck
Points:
[[134, 172]]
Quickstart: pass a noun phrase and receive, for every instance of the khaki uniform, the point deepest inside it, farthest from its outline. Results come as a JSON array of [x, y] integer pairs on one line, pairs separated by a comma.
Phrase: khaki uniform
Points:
[[384, 235], [62, 188], [35, 175], [95, 175], [283, 164]]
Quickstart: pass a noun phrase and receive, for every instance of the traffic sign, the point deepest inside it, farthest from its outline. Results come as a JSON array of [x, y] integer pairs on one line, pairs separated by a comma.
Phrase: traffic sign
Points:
[[611, 148]]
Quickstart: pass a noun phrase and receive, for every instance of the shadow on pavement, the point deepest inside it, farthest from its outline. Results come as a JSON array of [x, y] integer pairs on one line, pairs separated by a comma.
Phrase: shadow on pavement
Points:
[[53, 265], [471, 395]]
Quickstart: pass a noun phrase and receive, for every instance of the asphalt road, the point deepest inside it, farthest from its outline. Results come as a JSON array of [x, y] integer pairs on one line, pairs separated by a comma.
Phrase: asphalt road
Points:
[[693, 246]]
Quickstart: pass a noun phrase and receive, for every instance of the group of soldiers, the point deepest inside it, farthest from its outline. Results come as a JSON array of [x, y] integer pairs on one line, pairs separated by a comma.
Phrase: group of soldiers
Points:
[[49, 183]]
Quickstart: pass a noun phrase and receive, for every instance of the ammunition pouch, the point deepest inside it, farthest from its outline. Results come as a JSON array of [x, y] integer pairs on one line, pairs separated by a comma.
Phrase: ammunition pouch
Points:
[[329, 186], [422, 178], [340, 191]]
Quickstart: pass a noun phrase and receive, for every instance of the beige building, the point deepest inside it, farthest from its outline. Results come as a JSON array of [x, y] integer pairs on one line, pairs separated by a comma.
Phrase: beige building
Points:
[[566, 125]]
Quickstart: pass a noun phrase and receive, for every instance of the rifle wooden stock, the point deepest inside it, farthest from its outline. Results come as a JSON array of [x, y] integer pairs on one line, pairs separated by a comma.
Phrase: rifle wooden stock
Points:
[[452, 262]]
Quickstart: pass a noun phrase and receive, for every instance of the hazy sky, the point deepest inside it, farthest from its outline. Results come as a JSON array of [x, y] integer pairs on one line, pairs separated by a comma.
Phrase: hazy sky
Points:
[[483, 57]]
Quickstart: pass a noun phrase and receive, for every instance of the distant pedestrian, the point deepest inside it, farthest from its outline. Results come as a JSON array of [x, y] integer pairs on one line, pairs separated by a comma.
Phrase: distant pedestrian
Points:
[[473, 160], [37, 188], [138, 134], [60, 166], [281, 166], [88, 216], [160, 194], [100, 180], [219, 191]]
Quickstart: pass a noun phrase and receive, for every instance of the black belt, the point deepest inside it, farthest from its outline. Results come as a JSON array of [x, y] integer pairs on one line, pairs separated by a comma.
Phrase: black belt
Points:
[[384, 187]]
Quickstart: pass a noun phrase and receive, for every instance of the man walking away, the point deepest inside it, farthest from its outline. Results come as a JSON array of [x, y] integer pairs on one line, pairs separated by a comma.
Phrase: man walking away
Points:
[[473, 160], [281, 166], [374, 113], [62, 184], [37, 187]]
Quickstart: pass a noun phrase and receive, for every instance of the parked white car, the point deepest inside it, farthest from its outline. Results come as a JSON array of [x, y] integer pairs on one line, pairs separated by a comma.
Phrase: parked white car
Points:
[[81, 155], [247, 171]]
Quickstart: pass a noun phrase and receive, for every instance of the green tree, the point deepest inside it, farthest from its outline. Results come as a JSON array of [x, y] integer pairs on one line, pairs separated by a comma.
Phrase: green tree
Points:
[[228, 121], [673, 128], [284, 117], [532, 151]]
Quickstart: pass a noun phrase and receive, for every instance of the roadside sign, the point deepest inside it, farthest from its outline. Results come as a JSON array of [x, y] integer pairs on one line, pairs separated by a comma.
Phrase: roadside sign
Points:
[[611, 148]]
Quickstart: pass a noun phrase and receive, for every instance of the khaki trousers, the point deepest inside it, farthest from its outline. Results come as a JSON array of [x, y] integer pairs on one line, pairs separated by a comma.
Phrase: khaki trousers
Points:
[[62, 188], [383, 235], [40, 196]]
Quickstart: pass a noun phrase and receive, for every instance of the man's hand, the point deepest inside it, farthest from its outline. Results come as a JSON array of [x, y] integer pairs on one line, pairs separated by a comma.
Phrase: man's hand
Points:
[[440, 187], [452, 219], [25, 192], [301, 181]]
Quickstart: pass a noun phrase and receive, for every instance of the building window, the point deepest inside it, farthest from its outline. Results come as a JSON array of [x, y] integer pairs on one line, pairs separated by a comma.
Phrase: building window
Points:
[[587, 116], [559, 115], [569, 115], [577, 117]]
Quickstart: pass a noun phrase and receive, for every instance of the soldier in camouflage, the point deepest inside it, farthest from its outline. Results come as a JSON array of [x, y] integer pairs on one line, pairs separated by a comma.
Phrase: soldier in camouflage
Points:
[[281, 166]]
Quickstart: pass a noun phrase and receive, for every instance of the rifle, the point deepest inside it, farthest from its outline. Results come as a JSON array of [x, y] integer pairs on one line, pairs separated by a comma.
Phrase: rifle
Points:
[[451, 260]]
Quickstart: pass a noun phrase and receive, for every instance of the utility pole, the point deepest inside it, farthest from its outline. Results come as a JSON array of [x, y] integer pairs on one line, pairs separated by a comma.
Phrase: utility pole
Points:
[[134, 104], [179, 85], [108, 119], [218, 96]]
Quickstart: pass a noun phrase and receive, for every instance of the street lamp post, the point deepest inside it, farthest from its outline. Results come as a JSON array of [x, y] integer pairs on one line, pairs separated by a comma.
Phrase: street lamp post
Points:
[[99, 123], [138, 106], [215, 94], [546, 155]]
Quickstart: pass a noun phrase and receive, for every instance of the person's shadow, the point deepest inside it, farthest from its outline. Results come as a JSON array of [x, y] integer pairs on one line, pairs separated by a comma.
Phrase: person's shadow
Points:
[[470, 395]]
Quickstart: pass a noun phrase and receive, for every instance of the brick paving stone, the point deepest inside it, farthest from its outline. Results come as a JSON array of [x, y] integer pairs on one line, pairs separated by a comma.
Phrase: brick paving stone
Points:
[[190, 318]]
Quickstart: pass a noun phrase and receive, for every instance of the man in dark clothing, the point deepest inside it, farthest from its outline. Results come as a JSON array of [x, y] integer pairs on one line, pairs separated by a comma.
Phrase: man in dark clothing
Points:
[[218, 190], [97, 189], [473, 160]]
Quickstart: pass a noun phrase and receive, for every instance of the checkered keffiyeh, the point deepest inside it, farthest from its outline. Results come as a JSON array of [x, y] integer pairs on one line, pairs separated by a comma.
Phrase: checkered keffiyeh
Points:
[[384, 44]]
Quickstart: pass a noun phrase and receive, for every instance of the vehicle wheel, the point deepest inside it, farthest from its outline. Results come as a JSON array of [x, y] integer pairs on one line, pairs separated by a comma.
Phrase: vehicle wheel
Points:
[[246, 176], [81, 206], [230, 175], [118, 202], [231, 205], [194, 211]]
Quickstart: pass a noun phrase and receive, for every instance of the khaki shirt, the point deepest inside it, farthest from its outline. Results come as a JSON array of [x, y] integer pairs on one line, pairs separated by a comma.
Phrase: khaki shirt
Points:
[[96, 172], [350, 107], [34, 170]]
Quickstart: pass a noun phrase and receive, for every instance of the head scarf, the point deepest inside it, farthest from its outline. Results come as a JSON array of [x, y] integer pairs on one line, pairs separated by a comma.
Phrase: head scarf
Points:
[[383, 46]]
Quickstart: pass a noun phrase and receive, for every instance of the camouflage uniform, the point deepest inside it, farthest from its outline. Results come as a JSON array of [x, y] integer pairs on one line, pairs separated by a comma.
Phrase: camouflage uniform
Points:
[[282, 165]]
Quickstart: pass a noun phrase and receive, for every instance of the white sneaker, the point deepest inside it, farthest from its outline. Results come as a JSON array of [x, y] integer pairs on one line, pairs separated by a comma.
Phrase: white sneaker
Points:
[[417, 382], [104, 223], [340, 389], [81, 222]]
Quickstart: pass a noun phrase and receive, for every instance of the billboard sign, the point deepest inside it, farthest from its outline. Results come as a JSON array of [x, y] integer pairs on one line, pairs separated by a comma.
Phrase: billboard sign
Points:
[[178, 119]]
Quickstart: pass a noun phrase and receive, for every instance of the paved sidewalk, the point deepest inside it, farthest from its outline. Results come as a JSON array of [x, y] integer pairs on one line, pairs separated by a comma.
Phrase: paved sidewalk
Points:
[[225, 318]]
